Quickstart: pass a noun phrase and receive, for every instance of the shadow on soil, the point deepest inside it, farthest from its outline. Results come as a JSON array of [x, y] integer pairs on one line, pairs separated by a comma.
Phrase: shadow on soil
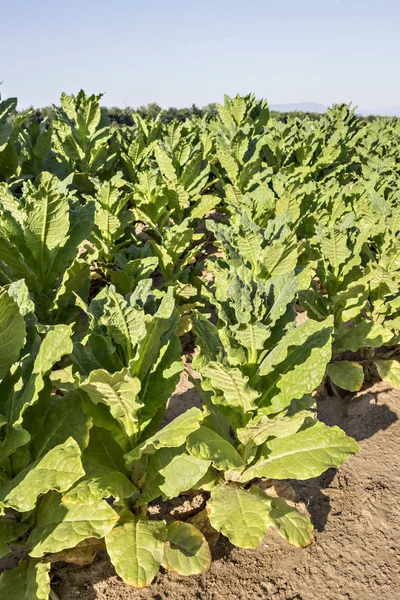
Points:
[[361, 418]]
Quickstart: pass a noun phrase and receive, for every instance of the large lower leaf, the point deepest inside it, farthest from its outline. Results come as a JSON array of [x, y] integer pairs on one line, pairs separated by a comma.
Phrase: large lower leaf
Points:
[[136, 550], [305, 454], [64, 418], [292, 525], [389, 370], [60, 525], [186, 550], [243, 516], [348, 375], [57, 470], [365, 334]]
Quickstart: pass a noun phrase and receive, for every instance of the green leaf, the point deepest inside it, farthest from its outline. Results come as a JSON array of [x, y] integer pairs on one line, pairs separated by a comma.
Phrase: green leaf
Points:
[[261, 429], [57, 470], [47, 223], [100, 482], [12, 332], [292, 525], [348, 375], [205, 444], [172, 435], [334, 248], [300, 360], [207, 339], [389, 370], [10, 530], [169, 472], [56, 343], [60, 525], [365, 334], [159, 329], [63, 418], [119, 392], [181, 474], [233, 385], [186, 550], [29, 581], [243, 516], [136, 550], [125, 323], [303, 455]]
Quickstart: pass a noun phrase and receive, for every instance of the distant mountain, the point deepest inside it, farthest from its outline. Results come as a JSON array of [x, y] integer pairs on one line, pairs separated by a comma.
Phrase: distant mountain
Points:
[[315, 107], [300, 106]]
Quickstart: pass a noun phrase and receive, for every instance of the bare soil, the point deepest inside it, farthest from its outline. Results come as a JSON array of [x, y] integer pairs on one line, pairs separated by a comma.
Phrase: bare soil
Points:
[[355, 511]]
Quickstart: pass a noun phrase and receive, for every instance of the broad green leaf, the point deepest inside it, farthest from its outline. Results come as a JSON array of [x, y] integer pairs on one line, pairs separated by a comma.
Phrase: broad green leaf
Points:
[[47, 223], [207, 339], [169, 472], [261, 429], [303, 455], [160, 382], [282, 291], [104, 449], [301, 358], [29, 581], [181, 474], [57, 470], [252, 335], [60, 525], [172, 435], [233, 385], [205, 444], [100, 482], [389, 370], [159, 329], [119, 392], [334, 248], [241, 515], [125, 323], [56, 343], [64, 418], [12, 332], [364, 334], [186, 550], [348, 375], [136, 550], [292, 525]]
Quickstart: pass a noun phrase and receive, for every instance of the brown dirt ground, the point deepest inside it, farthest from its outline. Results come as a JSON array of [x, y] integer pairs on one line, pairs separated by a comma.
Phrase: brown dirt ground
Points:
[[355, 511]]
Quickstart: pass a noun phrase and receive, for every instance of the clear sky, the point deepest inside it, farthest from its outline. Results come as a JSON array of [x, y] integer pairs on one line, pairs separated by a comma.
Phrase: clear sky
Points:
[[178, 52]]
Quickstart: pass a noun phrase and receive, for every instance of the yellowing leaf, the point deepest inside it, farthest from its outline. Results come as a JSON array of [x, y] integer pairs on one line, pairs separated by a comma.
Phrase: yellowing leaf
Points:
[[186, 550], [348, 375], [136, 550]]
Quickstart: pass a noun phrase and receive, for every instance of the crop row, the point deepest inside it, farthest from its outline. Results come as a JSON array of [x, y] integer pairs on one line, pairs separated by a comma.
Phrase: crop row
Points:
[[275, 246]]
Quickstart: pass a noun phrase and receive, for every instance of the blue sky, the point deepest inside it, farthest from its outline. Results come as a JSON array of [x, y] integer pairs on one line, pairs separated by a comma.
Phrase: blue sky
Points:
[[179, 52]]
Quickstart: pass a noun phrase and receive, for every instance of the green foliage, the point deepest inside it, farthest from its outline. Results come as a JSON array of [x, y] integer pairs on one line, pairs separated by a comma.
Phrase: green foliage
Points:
[[116, 241]]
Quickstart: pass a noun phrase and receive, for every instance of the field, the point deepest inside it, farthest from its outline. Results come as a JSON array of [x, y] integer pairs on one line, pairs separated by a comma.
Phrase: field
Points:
[[199, 324]]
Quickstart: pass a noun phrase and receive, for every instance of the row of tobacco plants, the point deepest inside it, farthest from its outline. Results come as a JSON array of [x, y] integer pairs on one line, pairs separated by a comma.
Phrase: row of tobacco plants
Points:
[[114, 243]]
